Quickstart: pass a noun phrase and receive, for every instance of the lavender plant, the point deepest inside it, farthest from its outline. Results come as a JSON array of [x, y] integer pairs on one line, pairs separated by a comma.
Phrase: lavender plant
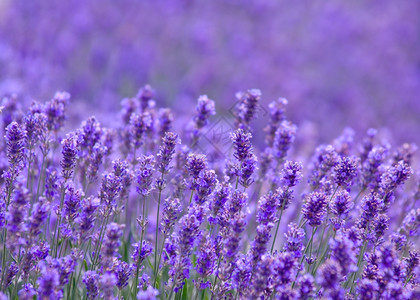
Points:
[[167, 221]]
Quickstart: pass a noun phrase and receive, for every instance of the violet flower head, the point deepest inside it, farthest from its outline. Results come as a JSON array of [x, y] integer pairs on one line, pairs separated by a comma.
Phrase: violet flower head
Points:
[[345, 171], [291, 173], [149, 294], [17, 213], [166, 151], [51, 184], [206, 260], [35, 126], [205, 185], [91, 281], [343, 252], [39, 214], [263, 272], [27, 292], [111, 241], [107, 282], [87, 215], [411, 223], [165, 120], [111, 186], [277, 109], [141, 251], [48, 283], [195, 163], [145, 96], [341, 204], [344, 143], [241, 144], [95, 159], [284, 269], [205, 108], [15, 141], [70, 150], [371, 205], [380, 225], [90, 133], [284, 137], [171, 209], [405, 153], [367, 289], [55, 110], [370, 168], [306, 285], [395, 176], [267, 208], [294, 240], [315, 208], [259, 244], [247, 108], [123, 272], [144, 174], [329, 279], [247, 169], [72, 200], [324, 159], [139, 123]]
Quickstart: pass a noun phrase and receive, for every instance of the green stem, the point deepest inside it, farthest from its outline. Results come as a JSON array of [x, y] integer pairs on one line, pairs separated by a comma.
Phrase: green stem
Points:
[[278, 225], [157, 227]]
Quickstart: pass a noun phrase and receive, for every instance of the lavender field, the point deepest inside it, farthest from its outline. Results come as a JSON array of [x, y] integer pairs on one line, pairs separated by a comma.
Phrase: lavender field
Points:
[[209, 149]]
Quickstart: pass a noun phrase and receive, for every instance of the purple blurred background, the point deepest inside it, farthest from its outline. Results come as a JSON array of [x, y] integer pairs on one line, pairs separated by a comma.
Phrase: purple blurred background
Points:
[[339, 63]]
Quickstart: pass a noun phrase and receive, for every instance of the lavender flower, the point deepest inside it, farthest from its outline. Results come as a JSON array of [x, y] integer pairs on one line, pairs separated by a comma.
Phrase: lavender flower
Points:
[[171, 209], [55, 110], [165, 120], [39, 214], [276, 110], [205, 108], [15, 141], [315, 208], [284, 137], [324, 159], [87, 216], [206, 261], [345, 171], [343, 252], [139, 123], [110, 188], [294, 240], [107, 283], [141, 251], [241, 144], [166, 151], [247, 108], [149, 294], [72, 200], [123, 272], [205, 184], [195, 163], [70, 150], [144, 174], [330, 279], [91, 280], [291, 173], [395, 176], [111, 242]]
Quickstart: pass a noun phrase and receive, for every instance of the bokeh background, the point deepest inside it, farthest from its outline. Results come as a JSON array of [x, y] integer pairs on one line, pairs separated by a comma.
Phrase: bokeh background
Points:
[[339, 63]]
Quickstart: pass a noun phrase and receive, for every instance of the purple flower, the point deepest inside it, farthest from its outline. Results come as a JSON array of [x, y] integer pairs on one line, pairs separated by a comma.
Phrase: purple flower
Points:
[[261, 278], [171, 209], [87, 215], [345, 171], [248, 167], [205, 108], [48, 283], [371, 205], [241, 144], [141, 253], [110, 188], [166, 151], [276, 109], [284, 137], [139, 123], [70, 150], [306, 286], [15, 141], [165, 120], [294, 240], [267, 208], [107, 283], [324, 159], [247, 108], [27, 292], [144, 174], [204, 185], [259, 244], [111, 242], [395, 176], [91, 281], [72, 200], [329, 279], [149, 294], [291, 173], [89, 133], [55, 110], [343, 251], [39, 214], [123, 272], [195, 163], [315, 208], [206, 259]]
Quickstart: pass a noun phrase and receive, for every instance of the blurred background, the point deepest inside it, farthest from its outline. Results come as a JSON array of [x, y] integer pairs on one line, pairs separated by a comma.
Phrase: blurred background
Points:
[[339, 63]]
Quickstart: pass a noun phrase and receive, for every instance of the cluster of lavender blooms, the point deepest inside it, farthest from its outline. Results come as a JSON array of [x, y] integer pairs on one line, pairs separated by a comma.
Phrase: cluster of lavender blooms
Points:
[[141, 212]]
